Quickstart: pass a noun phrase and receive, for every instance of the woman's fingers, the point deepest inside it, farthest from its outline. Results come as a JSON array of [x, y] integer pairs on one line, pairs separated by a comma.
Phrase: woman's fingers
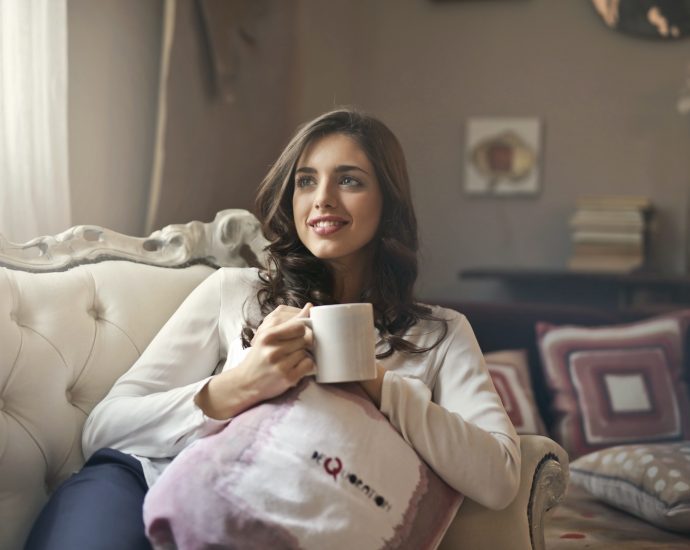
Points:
[[282, 349], [294, 327], [292, 330], [281, 314], [290, 361], [305, 367], [278, 317], [296, 366], [280, 357], [304, 312]]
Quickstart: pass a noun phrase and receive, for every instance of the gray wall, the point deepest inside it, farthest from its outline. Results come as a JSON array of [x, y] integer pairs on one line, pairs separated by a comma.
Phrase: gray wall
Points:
[[216, 152], [608, 103], [113, 56]]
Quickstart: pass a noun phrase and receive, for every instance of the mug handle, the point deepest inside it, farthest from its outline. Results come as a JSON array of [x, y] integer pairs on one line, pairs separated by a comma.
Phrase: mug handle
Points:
[[307, 321]]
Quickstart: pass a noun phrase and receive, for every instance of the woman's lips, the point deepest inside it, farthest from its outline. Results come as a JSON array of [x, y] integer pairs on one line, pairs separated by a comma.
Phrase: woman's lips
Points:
[[326, 226]]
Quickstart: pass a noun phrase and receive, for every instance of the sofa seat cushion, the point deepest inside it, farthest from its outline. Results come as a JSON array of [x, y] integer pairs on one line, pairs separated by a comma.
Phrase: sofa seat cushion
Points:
[[617, 384], [651, 482]]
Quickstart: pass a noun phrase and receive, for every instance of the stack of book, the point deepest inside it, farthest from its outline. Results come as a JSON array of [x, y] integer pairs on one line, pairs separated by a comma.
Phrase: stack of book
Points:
[[609, 233]]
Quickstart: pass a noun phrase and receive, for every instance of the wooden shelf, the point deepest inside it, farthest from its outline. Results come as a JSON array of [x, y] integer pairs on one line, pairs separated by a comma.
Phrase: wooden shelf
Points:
[[620, 290]]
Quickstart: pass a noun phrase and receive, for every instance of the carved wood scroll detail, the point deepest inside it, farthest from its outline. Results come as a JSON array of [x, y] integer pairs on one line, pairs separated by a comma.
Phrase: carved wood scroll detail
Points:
[[232, 239]]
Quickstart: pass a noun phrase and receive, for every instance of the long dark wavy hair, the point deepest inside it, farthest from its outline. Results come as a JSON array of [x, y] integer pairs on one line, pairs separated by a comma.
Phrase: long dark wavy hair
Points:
[[295, 276]]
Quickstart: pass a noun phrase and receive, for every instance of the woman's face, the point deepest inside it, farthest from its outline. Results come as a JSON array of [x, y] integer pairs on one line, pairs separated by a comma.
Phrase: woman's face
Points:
[[337, 201]]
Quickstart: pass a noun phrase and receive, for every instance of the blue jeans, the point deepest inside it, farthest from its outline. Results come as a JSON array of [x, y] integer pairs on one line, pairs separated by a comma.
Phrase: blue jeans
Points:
[[98, 508]]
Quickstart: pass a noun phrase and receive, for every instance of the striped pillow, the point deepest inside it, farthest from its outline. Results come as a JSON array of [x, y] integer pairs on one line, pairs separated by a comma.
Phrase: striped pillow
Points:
[[617, 384], [510, 374]]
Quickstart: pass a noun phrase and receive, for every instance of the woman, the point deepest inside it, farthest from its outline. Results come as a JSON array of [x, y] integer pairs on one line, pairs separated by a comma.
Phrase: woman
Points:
[[337, 211]]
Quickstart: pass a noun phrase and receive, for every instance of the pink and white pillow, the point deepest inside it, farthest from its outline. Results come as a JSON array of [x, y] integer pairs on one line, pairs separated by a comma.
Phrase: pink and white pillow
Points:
[[509, 371], [318, 467], [617, 384]]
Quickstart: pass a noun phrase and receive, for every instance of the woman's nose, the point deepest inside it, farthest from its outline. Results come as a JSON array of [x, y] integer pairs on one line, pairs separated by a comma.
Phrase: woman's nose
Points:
[[325, 196]]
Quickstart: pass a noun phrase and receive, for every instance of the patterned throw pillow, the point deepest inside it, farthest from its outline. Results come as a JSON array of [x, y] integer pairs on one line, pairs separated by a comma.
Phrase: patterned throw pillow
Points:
[[510, 374], [650, 481], [617, 384], [318, 467]]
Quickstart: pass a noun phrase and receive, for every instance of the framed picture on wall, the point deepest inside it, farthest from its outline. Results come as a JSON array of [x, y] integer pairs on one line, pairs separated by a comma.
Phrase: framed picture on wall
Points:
[[502, 156]]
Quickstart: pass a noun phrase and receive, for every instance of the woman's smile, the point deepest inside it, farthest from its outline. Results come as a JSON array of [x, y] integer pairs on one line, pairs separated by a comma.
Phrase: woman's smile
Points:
[[326, 225]]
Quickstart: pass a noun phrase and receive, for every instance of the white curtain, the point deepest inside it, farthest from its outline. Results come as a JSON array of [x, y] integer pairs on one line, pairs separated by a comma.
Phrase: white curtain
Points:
[[34, 176]]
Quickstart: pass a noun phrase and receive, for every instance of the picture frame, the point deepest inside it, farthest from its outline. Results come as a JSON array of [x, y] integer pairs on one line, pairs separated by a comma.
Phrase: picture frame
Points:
[[502, 156]]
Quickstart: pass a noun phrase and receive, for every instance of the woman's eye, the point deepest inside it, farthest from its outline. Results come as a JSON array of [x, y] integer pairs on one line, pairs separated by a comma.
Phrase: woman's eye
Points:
[[349, 181], [303, 181]]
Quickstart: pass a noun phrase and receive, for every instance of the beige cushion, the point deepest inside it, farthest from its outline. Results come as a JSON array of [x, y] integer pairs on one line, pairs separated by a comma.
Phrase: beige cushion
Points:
[[65, 337]]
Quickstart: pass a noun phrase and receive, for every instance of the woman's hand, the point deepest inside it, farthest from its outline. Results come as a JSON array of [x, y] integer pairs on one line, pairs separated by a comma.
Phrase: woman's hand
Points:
[[277, 360], [279, 357]]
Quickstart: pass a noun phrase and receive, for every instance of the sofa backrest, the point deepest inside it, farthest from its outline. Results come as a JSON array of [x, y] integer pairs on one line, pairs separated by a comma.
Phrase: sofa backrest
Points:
[[64, 339], [68, 331]]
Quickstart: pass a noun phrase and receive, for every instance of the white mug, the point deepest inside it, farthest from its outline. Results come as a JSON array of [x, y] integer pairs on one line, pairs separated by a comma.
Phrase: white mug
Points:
[[344, 342]]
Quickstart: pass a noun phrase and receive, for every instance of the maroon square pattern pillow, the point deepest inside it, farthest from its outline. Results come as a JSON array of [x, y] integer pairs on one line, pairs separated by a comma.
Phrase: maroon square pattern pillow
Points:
[[510, 374], [618, 384]]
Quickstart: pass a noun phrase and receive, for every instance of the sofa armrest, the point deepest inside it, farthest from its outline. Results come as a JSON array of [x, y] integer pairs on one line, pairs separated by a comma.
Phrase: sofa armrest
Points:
[[520, 526]]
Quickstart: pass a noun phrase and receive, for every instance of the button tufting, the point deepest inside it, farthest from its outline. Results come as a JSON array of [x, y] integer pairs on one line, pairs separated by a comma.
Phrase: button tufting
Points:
[[2, 405], [93, 313], [13, 317], [68, 395]]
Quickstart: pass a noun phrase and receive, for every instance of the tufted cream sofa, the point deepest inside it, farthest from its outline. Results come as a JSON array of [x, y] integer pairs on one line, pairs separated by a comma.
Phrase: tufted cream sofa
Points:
[[78, 308]]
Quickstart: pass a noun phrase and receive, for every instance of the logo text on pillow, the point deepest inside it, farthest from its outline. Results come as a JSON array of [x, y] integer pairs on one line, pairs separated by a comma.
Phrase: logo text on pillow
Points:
[[333, 466]]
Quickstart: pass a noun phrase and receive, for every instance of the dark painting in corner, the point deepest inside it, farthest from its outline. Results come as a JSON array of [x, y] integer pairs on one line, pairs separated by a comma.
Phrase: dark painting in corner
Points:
[[660, 19]]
